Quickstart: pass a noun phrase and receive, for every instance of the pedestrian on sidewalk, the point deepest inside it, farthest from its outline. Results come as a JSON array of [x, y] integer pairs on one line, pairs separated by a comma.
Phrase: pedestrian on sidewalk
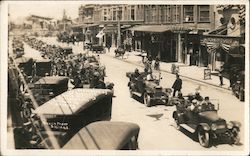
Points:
[[221, 76], [108, 45], [157, 63], [177, 86]]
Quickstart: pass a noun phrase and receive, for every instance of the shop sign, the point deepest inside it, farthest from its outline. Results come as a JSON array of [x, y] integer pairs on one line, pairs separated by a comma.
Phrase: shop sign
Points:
[[228, 41], [207, 74]]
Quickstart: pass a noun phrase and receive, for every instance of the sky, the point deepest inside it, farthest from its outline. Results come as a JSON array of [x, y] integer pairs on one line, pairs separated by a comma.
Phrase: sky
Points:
[[19, 11]]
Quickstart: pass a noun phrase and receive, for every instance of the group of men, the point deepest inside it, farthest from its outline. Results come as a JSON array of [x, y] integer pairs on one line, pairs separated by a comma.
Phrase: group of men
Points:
[[194, 102], [77, 67]]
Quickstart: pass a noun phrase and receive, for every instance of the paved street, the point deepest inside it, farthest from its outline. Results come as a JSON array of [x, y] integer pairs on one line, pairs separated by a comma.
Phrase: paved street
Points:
[[161, 134]]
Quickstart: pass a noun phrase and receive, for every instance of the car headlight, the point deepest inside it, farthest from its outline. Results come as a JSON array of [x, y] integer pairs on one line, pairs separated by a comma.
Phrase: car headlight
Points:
[[213, 127], [230, 125]]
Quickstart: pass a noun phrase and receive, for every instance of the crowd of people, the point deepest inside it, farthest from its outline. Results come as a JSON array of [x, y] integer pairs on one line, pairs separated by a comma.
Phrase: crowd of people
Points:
[[17, 46], [80, 68]]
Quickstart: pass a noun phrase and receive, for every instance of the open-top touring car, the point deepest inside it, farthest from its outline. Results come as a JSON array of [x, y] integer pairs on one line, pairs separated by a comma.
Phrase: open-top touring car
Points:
[[202, 119], [149, 90]]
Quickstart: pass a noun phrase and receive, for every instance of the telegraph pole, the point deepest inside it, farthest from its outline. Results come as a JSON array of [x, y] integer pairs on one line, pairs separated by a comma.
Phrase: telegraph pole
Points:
[[119, 30]]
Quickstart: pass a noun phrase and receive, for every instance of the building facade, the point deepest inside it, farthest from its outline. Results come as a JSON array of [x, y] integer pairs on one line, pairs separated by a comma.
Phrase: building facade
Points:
[[174, 33], [225, 44]]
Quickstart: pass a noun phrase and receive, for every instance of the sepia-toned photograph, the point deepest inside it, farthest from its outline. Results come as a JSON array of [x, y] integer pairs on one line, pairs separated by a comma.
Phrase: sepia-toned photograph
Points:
[[154, 77]]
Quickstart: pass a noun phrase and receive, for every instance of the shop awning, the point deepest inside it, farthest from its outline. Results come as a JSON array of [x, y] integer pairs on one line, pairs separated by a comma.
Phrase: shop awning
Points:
[[159, 28]]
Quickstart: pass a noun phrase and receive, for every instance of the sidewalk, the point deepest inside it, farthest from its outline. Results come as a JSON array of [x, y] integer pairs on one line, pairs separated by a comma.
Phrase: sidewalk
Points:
[[190, 72]]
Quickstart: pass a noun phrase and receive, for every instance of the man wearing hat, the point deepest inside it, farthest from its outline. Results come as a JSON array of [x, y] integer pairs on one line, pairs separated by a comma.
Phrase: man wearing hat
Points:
[[177, 86]]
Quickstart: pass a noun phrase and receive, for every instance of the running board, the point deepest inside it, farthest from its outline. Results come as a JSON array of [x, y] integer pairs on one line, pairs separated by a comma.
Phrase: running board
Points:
[[187, 127], [137, 94]]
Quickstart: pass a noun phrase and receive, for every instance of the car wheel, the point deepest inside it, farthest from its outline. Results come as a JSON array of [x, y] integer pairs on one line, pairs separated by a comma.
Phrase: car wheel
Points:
[[203, 137], [131, 93], [178, 127], [235, 136], [147, 99], [241, 95]]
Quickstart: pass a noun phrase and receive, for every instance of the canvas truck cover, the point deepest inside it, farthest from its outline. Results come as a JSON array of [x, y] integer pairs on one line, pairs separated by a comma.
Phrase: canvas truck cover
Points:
[[50, 80], [103, 135], [72, 102]]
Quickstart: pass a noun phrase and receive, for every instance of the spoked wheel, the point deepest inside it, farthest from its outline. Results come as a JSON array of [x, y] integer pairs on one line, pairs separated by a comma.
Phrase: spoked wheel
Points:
[[147, 99], [235, 136], [178, 127], [241, 95], [203, 137], [131, 93]]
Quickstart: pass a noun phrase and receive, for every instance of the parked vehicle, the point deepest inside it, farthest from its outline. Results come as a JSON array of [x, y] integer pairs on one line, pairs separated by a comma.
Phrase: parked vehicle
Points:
[[67, 50], [42, 67], [118, 136], [238, 87], [74, 109], [48, 87], [203, 120], [150, 91], [98, 48]]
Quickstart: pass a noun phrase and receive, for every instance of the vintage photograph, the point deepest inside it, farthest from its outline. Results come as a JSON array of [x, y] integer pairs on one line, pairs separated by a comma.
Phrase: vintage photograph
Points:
[[99, 75]]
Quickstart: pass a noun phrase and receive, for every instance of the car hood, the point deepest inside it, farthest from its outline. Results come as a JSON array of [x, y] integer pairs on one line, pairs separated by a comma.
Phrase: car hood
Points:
[[210, 115]]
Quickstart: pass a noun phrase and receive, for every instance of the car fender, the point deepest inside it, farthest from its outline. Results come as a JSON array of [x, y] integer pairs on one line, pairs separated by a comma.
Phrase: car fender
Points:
[[205, 126], [236, 124], [175, 115]]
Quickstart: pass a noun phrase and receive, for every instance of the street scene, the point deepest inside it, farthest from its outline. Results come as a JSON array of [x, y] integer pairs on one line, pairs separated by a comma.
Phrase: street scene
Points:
[[128, 77]]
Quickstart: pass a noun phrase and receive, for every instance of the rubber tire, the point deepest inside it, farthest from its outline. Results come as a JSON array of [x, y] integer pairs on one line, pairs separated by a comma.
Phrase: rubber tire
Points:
[[241, 96], [178, 127], [131, 93], [236, 136], [147, 99], [203, 137]]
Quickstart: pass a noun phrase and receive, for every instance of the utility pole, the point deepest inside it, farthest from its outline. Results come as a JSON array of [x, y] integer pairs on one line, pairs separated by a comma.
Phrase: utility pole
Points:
[[64, 19], [119, 29]]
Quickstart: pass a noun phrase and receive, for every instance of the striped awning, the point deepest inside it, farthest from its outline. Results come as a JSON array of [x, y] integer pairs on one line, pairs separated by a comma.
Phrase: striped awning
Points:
[[159, 28], [212, 47]]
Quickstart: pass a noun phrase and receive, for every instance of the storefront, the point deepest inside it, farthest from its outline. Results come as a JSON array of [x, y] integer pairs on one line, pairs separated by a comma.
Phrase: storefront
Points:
[[164, 41], [222, 50]]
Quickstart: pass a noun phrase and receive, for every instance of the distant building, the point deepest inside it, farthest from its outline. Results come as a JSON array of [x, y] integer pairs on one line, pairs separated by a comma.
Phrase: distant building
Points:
[[41, 23], [174, 33]]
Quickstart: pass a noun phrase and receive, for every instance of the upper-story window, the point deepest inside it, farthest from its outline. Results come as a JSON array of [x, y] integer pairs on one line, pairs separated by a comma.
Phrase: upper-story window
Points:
[[168, 14], [203, 13], [114, 15], [132, 13], [188, 11], [105, 15], [176, 9]]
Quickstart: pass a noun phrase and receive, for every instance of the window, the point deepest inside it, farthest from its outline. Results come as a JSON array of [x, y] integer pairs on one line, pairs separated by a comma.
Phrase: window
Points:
[[176, 13], [132, 13], [203, 13], [104, 14], [114, 15], [168, 14], [188, 13]]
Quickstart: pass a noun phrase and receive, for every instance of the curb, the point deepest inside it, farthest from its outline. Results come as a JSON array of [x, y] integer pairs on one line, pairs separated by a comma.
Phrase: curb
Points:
[[162, 70]]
